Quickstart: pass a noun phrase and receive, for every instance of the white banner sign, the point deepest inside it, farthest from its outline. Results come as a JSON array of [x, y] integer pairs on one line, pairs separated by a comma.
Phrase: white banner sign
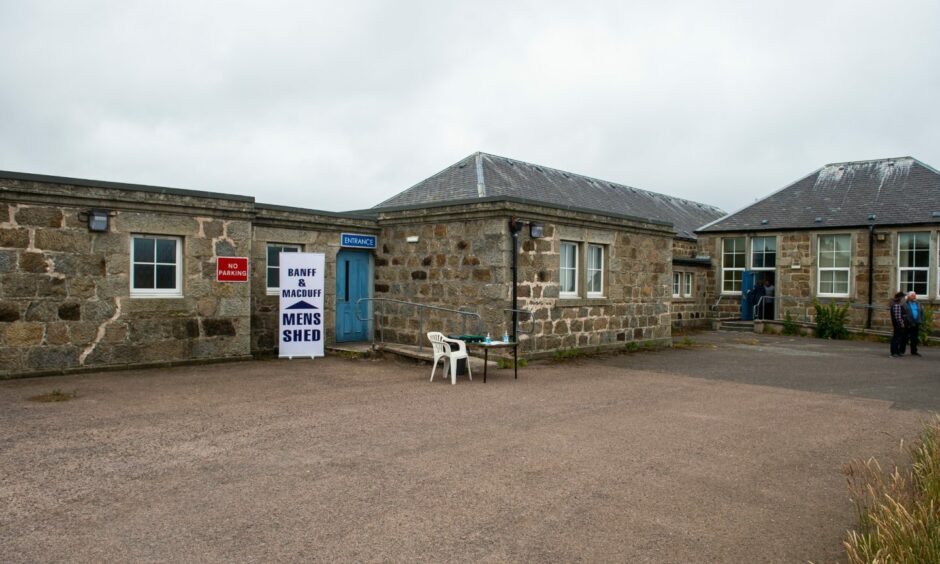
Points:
[[301, 313]]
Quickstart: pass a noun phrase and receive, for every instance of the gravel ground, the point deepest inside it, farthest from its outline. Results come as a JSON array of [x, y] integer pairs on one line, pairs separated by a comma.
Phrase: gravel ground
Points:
[[726, 451]]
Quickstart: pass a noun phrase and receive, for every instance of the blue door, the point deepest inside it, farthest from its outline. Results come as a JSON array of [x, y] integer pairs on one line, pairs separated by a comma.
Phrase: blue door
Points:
[[747, 291], [352, 283]]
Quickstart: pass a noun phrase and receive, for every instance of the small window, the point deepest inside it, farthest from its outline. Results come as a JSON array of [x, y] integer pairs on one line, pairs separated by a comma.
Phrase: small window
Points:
[[733, 258], [568, 271], [687, 288], [834, 265], [914, 262], [595, 271], [676, 284], [274, 264], [156, 266]]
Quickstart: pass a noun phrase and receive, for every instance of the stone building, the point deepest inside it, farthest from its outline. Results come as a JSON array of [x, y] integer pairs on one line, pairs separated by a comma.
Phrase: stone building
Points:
[[854, 232], [601, 273], [102, 274]]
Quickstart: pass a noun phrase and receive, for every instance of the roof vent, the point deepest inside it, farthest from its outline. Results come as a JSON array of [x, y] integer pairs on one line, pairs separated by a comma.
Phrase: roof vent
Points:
[[891, 164], [841, 168], [538, 168], [461, 165], [818, 219], [871, 217], [764, 222], [565, 174]]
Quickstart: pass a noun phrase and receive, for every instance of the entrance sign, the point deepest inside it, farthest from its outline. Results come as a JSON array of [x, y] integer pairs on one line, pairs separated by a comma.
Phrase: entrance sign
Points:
[[357, 241], [300, 323], [231, 269]]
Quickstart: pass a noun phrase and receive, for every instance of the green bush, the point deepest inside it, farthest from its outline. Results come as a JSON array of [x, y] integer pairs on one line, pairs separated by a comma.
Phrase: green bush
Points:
[[926, 325], [831, 320], [790, 326]]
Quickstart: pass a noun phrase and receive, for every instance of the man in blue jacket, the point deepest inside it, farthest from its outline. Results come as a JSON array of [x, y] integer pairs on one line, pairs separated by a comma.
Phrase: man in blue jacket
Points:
[[913, 313]]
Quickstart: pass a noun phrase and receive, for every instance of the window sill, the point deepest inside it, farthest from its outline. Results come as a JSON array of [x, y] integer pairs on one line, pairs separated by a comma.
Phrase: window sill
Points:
[[582, 302], [157, 296]]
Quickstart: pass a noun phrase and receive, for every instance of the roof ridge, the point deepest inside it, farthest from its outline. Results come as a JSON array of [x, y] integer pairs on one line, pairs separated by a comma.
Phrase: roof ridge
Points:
[[870, 161], [611, 183]]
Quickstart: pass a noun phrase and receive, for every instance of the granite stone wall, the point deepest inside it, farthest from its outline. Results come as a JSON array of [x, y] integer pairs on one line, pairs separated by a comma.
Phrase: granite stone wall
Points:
[[796, 276], [65, 298], [462, 259]]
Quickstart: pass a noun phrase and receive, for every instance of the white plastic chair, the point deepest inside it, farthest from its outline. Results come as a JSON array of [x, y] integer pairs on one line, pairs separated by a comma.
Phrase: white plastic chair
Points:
[[445, 348]]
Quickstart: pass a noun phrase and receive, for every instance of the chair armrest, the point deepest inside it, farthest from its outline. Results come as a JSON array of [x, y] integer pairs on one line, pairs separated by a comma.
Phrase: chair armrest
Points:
[[461, 346]]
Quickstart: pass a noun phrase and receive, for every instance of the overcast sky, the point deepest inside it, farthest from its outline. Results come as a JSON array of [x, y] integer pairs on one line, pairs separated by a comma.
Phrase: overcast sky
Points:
[[340, 105]]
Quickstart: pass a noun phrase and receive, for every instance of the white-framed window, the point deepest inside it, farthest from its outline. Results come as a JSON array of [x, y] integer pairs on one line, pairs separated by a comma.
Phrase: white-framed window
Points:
[[733, 257], [595, 271], [156, 266], [273, 265], [763, 253], [676, 284], [914, 262], [568, 270], [687, 286], [834, 265]]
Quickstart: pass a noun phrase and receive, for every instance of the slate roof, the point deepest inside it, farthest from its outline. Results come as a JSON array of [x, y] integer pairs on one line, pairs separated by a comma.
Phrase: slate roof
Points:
[[899, 191], [482, 175]]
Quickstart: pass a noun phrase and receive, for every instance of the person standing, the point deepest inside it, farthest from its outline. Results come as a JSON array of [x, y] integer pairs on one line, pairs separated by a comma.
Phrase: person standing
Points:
[[912, 315], [768, 298], [899, 337]]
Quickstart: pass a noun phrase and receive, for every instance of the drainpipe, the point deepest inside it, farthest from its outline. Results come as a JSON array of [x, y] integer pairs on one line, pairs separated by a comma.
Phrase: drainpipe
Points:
[[514, 228], [871, 271]]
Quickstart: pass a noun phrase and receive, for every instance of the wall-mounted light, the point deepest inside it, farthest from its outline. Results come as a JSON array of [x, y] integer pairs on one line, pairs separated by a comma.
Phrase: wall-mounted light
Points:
[[98, 220], [412, 238], [536, 230]]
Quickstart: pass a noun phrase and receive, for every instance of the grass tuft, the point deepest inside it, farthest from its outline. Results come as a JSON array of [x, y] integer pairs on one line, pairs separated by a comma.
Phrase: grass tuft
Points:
[[898, 511]]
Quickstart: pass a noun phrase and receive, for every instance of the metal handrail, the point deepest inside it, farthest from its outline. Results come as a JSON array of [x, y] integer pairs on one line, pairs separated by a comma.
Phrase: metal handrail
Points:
[[465, 314]]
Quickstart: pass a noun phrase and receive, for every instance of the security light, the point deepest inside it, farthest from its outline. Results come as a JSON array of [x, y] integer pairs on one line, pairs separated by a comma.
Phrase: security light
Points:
[[536, 230], [98, 220]]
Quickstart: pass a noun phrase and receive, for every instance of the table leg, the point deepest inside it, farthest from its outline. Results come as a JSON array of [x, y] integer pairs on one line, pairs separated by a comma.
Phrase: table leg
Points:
[[486, 356], [515, 361]]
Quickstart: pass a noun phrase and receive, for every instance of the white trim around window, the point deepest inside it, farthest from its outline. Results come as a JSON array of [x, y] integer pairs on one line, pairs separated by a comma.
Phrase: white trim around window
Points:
[[834, 266], [156, 266], [733, 259], [687, 287], [595, 271], [677, 284], [272, 270], [568, 270], [914, 262]]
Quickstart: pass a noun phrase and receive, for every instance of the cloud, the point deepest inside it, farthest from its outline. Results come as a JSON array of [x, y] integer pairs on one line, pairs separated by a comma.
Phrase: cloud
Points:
[[341, 105]]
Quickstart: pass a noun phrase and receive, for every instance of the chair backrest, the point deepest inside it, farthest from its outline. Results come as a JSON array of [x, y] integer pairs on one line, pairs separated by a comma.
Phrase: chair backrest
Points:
[[437, 341]]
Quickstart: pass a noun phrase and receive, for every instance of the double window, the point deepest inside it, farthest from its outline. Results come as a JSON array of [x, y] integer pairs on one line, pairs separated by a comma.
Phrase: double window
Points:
[[914, 262], [834, 265], [682, 284], [569, 270], [156, 266], [734, 261], [273, 270]]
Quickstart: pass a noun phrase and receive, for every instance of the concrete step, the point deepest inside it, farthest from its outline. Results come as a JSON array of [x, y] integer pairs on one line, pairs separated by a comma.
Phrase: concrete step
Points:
[[739, 326]]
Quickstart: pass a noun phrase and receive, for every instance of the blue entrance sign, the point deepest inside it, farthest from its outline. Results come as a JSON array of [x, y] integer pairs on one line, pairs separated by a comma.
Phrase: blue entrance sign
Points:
[[357, 241]]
